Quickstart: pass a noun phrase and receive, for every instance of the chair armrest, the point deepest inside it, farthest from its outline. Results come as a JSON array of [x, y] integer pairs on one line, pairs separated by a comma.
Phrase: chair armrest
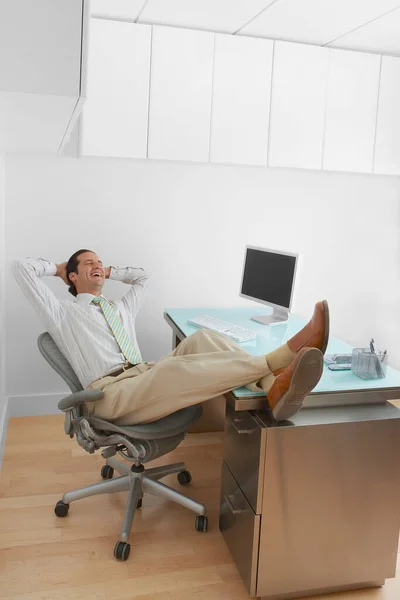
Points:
[[79, 398]]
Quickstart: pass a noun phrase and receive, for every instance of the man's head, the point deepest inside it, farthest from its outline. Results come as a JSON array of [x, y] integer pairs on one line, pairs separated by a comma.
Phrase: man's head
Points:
[[85, 273]]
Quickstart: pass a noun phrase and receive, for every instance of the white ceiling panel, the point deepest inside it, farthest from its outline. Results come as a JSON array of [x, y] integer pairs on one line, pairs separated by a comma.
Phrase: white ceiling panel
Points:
[[382, 35], [315, 21], [225, 16], [118, 9]]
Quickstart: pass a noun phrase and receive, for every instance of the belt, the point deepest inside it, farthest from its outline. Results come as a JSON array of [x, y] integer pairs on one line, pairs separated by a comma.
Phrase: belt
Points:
[[119, 371]]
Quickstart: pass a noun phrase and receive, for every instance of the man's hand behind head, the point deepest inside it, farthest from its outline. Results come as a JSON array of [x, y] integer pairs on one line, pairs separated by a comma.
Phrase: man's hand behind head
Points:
[[62, 272]]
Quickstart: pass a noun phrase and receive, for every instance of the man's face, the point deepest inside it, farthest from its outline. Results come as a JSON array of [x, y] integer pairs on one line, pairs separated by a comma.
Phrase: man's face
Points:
[[91, 274]]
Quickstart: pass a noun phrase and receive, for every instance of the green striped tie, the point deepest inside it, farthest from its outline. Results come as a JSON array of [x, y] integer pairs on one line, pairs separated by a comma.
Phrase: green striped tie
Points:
[[131, 354]]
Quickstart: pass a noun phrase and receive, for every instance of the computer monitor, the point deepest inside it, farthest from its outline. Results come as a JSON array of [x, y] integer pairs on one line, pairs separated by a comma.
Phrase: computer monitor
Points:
[[268, 277]]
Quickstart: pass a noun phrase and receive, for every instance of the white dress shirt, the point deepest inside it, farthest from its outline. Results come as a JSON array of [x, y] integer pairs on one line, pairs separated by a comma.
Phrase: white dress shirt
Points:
[[79, 327]]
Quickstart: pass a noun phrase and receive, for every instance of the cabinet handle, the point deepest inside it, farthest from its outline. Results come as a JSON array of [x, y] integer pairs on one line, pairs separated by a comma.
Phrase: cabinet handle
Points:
[[236, 426], [234, 511]]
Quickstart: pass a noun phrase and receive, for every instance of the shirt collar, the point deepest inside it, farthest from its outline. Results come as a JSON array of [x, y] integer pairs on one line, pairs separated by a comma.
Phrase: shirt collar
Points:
[[86, 299]]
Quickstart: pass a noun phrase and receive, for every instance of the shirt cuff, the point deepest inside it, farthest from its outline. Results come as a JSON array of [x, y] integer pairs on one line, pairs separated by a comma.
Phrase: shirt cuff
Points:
[[50, 268], [41, 266], [116, 273], [126, 274]]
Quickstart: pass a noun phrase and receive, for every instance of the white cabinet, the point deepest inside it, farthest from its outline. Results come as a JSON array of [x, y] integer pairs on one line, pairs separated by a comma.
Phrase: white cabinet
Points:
[[115, 116], [387, 145], [42, 68], [180, 94], [351, 111], [241, 97], [298, 105], [176, 94]]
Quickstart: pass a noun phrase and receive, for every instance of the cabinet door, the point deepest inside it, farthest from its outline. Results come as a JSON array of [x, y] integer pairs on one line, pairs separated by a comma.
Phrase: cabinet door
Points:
[[387, 146], [298, 105], [115, 115], [180, 94], [351, 111], [241, 99]]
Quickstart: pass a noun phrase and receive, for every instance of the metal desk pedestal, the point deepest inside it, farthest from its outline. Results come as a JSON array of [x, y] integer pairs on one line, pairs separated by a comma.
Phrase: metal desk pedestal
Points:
[[311, 505]]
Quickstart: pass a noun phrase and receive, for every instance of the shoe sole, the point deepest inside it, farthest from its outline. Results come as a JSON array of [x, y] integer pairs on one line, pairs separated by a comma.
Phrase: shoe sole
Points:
[[305, 377], [326, 326]]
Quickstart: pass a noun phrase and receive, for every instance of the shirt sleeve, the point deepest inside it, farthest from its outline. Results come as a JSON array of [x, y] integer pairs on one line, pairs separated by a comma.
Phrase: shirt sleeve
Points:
[[138, 279], [28, 273]]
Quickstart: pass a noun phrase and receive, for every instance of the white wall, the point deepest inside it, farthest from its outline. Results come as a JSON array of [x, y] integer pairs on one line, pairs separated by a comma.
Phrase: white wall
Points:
[[157, 215], [3, 405]]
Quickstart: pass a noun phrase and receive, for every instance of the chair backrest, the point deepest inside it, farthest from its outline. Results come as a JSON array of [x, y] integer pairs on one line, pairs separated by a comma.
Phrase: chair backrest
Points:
[[50, 351]]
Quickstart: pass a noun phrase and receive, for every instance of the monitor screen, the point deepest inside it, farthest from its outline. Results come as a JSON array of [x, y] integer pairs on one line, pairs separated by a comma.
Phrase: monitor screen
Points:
[[268, 276]]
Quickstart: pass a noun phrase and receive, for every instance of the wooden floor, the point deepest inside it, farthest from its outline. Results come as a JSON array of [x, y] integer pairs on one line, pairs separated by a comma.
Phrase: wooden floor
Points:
[[43, 557]]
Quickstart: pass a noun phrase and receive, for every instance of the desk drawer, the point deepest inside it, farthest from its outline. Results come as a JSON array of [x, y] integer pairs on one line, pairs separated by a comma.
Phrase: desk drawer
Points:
[[240, 528], [244, 454]]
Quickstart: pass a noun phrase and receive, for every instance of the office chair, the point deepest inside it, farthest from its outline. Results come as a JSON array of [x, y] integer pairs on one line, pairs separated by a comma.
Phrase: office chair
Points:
[[136, 443]]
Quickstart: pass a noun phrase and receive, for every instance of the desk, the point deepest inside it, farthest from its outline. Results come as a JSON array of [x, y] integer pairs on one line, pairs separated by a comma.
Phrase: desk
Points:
[[310, 505]]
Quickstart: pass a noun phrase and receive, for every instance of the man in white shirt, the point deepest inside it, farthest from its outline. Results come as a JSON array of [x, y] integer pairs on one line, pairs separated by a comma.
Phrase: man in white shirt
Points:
[[96, 336]]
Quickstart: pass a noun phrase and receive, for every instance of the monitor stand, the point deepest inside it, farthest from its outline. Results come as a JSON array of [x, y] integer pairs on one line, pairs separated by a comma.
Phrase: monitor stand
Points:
[[278, 316]]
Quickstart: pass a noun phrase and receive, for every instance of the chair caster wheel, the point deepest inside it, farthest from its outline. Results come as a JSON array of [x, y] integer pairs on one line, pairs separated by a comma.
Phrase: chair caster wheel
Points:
[[184, 477], [107, 472], [201, 523], [139, 503], [122, 550], [61, 509]]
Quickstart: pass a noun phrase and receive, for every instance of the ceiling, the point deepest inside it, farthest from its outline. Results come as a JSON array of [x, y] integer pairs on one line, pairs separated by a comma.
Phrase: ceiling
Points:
[[366, 25]]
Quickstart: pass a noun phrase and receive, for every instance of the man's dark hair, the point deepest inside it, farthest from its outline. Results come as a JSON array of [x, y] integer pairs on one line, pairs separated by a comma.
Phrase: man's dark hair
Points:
[[72, 267]]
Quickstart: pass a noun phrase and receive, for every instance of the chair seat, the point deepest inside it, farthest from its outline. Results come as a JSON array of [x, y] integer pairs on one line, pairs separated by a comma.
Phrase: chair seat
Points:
[[169, 426]]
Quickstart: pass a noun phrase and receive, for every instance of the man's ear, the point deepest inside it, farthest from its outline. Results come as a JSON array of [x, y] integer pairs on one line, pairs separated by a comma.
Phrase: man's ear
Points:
[[72, 277]]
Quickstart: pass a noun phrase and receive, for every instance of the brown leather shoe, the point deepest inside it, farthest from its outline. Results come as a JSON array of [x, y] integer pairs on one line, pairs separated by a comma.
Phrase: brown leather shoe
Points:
[[287, 393], [316, 333]]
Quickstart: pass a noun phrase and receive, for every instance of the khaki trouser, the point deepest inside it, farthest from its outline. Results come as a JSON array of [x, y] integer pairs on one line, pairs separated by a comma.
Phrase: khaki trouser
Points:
[[203, 366]]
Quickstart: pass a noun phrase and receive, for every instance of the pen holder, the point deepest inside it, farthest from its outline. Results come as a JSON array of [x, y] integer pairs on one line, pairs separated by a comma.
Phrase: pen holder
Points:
[[367, 365]]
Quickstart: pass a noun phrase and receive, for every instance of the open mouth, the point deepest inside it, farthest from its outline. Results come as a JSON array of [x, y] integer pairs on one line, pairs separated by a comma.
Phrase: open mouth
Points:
[[97, 274]]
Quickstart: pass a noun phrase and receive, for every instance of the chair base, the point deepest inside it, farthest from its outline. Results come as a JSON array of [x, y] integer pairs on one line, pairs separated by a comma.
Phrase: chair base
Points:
[[137, 481]]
